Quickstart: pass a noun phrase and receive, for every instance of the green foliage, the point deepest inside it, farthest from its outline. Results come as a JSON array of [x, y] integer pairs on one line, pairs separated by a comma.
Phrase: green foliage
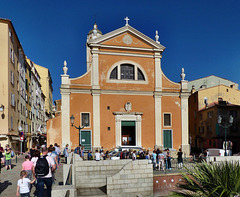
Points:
[[212, 180]]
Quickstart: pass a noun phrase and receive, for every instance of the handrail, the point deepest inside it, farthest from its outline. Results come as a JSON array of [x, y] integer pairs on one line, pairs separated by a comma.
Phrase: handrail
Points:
[[67, 193], [69, 177]]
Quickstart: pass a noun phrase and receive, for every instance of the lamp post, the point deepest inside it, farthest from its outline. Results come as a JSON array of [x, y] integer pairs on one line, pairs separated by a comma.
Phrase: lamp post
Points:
[[225, 125], [20, 130], [79, 128]]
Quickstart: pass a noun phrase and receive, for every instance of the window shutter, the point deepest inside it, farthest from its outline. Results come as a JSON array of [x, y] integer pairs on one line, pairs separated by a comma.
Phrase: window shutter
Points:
[[167, 138]]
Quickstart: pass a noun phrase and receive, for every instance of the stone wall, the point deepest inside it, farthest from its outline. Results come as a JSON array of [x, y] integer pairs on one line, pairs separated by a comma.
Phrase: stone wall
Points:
[[91, 174], [134, 179], [120, 177]]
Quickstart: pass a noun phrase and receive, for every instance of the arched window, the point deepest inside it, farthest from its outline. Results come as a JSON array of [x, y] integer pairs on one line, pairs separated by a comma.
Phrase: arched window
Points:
[[140, 75], [127, 72], [114, 73]]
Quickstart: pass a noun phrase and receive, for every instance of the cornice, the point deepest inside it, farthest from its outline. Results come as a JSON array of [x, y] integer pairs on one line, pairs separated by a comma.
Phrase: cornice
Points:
[[130, 29], [125, 54]]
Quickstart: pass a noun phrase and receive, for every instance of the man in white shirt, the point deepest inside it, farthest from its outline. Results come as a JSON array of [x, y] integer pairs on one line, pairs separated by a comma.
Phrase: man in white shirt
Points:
[[97, 156], [47, 179]]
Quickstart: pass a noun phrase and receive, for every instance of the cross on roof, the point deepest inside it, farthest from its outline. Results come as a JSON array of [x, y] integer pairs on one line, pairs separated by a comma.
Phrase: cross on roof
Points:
[[126, 19]]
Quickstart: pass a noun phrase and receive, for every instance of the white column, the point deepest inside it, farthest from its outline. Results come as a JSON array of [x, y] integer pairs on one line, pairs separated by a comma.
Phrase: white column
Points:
[[158, 72], [138, 131], [65, 117], [95, 69], [118, 130], [96, 118], [184, 117], [158, 120]]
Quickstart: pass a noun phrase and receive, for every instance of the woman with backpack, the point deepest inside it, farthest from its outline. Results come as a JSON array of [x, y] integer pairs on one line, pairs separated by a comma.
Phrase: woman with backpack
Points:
[[65, 152]]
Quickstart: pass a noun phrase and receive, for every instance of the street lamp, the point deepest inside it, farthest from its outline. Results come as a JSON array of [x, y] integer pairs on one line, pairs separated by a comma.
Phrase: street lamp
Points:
[[20, 130], [225, 125], [1, 108], [79, 128]]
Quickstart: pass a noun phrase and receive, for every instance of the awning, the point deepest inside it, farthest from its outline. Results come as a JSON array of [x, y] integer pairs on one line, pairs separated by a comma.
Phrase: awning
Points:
[[3, 136], [15, 138]]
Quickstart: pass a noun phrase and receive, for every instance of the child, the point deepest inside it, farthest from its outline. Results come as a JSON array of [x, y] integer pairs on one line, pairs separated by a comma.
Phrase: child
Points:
[[23, 184], [27, 165]]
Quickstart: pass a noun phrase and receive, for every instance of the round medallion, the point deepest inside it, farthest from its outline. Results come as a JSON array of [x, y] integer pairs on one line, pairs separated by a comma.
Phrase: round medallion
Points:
[[127, 39]]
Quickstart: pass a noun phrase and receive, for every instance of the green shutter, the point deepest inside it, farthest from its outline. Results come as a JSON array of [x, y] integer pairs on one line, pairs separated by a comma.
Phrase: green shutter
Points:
[[167, 138], [128, 123], [86, 139]]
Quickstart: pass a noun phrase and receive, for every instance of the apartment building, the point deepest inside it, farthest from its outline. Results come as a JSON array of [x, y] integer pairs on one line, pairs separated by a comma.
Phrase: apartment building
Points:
[[22, 101], [47, 89]]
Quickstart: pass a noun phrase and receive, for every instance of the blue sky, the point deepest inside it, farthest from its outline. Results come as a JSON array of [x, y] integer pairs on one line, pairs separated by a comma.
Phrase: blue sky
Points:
[[201, 36]]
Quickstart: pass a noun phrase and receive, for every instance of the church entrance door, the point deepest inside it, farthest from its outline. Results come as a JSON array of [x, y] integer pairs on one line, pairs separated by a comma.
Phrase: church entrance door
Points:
[[128, 133]]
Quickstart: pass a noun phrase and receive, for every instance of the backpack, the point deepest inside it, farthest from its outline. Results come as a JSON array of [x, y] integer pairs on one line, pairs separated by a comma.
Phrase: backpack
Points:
[[12, 154], [64, 151], [42, 166]]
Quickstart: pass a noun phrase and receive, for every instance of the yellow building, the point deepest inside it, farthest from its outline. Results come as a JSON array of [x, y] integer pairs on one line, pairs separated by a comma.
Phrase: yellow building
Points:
[[46, 82], [27, 112], [10, 51], [204, 109]]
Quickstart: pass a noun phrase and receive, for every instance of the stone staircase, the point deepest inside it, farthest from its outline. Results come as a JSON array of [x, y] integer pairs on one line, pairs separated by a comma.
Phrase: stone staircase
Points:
[[92, 192]]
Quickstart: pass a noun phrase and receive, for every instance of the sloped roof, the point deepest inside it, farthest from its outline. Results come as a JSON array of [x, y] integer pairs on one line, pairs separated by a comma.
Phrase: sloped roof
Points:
[[130, 29]]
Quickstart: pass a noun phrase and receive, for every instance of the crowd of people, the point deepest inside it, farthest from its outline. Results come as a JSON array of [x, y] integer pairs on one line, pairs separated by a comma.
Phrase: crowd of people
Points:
[[38, 169], [161, 159]]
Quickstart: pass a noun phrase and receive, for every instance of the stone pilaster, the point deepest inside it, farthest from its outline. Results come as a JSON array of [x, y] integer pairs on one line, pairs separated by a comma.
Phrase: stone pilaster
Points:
[[158, 72], [184, 117], [96, 118], [65, 93], [158, 120], [95, 69]]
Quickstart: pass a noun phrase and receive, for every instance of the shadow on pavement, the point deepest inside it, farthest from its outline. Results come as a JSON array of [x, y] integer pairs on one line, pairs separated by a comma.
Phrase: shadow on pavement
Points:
[[4, 185]]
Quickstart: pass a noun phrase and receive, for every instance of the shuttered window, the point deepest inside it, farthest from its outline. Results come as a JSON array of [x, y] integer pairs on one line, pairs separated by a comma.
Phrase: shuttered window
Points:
[[167, 138]]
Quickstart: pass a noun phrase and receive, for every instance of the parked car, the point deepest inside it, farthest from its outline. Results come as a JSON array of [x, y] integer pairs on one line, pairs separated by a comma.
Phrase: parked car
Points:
[[116, 156], [217, 152]]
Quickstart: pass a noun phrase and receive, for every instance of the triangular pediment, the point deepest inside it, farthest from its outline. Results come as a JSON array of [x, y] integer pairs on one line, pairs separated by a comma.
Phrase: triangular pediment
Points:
[[127, 36]]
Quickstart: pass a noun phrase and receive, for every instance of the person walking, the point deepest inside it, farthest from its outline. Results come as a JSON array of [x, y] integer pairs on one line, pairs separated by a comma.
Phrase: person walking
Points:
[[27, 165], [154, 157], [36, 156], [32, 151], [89, 155], [169, 160], [65, 152], [57, 149], [44, 166], [82, 153], [77, 150], [161, 160], [180, 159], [97, 155], [23, 184], [8, 158]]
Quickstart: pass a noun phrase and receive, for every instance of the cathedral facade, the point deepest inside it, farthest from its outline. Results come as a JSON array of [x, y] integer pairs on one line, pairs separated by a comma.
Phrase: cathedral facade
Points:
[[124, 99]]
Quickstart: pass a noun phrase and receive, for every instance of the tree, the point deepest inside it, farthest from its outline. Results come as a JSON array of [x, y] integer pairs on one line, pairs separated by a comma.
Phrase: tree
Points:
[[212, 180]]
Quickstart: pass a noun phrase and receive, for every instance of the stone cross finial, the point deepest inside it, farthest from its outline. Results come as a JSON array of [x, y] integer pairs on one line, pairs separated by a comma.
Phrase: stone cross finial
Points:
[[157, 37], [126, 19], [65, 68], [183, 75]]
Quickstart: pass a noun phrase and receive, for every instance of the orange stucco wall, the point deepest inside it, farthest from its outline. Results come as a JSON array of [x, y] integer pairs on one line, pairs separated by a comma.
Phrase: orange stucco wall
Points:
[[172, 105], [79, 103], [118, 41], [107, 61], [54, 132], [116, 93], [143, 104]]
